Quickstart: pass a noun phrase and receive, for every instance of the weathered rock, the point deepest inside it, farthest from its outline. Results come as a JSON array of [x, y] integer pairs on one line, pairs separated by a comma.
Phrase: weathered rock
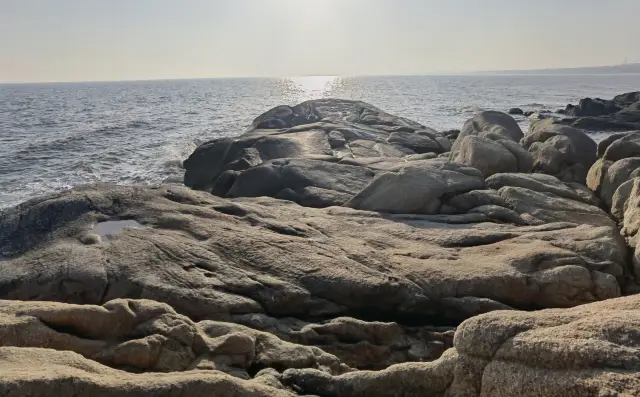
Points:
[[488, 124], [584, 351], [486, 155], [620, 114], [561, 151], [417, 190], [542, 183], [146, 336], [321, 130], [36, 372], [416, 142], [625, 146], [476, 198], [212, 258], [551, 208], [317, 182], [357, 343]]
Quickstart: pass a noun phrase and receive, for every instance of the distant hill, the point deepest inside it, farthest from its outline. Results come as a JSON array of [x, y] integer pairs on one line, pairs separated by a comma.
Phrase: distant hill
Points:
[[617, 69]]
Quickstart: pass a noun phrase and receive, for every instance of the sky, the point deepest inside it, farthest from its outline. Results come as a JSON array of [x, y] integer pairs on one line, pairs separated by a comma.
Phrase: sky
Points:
[[95, 40]]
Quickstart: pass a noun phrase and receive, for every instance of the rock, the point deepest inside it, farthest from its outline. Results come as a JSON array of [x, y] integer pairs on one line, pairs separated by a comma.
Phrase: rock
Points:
[[416, 142], [625, 146], [561, 151], [509, 353], [316, 182], [550, 208], [516, 111], [212, 258], [592, 107], [492, 157], [616, 174], [476, 198], [541, 183], [621, 199], [357, 343], [143, 335], [488, 124], [416, 190], [44, 372], [323, 130], [318, 197], [620, 114]]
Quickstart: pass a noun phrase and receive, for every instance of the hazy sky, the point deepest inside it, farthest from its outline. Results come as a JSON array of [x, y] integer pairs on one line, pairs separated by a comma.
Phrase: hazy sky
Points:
[[87, 40]]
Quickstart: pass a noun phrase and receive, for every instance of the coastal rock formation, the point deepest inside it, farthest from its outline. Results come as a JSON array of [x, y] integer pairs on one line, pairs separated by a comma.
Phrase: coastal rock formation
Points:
[[281, 153], [622, 113], [211, 258], [336, 250], [585, 351], [488, 142], [559, 150]]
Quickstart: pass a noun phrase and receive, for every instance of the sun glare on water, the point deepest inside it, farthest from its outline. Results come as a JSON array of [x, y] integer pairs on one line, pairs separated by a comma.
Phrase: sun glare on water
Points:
[[313, 87]]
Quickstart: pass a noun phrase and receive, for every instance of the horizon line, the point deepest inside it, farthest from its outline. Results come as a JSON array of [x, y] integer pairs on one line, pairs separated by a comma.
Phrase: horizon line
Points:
[[516, 72]]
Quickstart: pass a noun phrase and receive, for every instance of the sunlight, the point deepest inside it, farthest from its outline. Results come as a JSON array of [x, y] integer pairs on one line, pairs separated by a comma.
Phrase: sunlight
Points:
[[304, 88], [312, 84]]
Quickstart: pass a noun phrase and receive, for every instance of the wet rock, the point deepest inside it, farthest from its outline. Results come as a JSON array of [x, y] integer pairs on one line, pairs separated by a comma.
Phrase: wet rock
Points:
[[516, 111]]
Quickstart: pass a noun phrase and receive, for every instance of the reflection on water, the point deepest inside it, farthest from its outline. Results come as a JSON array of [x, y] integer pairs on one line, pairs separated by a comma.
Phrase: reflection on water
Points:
[[312, 87]]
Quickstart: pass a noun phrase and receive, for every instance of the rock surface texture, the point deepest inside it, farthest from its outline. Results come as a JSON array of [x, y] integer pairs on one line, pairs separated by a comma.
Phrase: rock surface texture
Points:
[[337, 250]]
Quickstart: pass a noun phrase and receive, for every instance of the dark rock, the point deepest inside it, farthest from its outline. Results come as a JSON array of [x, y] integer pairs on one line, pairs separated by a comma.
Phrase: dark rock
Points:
[[516, 111], [622, 113]]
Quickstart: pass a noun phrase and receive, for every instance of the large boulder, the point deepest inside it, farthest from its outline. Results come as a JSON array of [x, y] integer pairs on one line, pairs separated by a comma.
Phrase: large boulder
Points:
[[416, 190], [212, 258], [619, 162], [559, 150], [492, 157], [325, 129], [585, 351], [489, 124]]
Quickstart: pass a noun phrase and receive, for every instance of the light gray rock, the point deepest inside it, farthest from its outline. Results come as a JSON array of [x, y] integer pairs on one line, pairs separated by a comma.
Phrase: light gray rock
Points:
[[212, 258], [551, 208], [488, 124], [559, 150], [542, 183], [416, 190], [486, 155]]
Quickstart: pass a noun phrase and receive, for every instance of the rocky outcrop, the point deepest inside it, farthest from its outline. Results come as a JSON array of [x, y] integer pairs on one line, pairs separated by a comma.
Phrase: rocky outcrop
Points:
[[280, 155], [558, 150], [488, 142], [622, 113], [584, 351], [492, 157], [212, 258], [339, 250]]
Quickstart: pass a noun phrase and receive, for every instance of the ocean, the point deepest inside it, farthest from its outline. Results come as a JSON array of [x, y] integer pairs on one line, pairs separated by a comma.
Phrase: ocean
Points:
[[59, 135]]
